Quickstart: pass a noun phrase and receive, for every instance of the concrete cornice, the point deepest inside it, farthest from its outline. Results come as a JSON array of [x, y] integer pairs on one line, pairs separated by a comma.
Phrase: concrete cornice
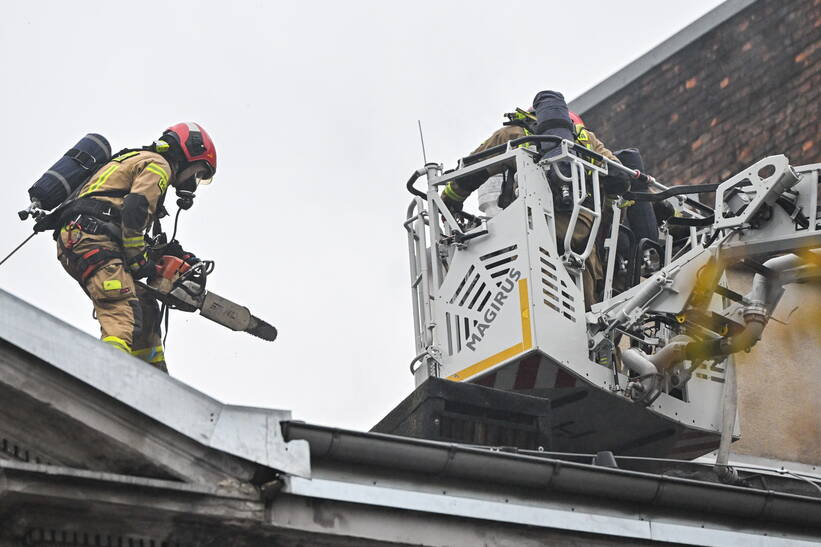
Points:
[[253, 434]]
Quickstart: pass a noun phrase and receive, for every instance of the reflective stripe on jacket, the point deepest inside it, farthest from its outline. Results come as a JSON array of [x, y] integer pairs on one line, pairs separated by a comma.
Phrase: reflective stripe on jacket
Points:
[[144, 176]]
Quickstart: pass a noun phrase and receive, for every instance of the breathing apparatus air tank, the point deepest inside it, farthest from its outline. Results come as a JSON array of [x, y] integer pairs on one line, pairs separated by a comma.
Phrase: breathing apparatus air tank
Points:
[[69, 173], [489, 194]]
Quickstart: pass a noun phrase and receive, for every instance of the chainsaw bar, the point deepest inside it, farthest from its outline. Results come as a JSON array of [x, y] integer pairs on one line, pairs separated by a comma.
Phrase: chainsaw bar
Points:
[[235, 317], [262, 329], [216, 308]]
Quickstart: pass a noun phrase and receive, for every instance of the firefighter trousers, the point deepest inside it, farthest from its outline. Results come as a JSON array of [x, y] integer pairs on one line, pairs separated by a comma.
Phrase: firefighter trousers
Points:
[[130, 319], [593, 272]]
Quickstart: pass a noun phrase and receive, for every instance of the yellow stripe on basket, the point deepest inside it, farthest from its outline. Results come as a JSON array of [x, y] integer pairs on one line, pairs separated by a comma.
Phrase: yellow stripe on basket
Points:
[[524, 345]]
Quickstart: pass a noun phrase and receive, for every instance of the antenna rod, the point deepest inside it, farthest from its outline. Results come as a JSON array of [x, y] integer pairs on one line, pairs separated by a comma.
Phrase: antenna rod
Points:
[[422, 138]]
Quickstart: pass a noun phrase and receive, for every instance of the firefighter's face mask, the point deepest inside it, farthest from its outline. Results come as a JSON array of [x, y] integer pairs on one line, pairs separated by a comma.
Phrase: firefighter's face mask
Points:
[[185, 198], [193, 175], [187, 181]]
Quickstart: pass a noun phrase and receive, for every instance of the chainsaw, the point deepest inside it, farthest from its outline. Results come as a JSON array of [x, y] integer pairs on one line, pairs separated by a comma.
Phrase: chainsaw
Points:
[[181, 286]]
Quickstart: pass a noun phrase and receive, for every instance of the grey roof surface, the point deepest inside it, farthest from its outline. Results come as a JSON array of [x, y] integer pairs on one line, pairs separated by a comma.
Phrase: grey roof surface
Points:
[[250, 433], [658, 54], [433, 493]]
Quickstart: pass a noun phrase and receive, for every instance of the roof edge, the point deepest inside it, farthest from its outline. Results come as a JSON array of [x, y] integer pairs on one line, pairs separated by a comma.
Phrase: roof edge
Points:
[[251, 433], [443, 459], [658, 54]]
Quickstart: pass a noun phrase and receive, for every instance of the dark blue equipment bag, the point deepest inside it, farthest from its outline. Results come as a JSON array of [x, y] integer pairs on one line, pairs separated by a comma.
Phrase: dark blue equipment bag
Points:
[[73, 169]]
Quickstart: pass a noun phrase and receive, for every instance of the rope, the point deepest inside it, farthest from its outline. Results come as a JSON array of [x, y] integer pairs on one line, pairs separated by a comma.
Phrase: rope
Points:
[[18, 248]]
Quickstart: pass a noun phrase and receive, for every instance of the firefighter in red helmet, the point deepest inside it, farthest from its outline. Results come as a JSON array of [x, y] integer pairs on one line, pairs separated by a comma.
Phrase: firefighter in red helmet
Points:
[[102, 233], [575, 118], [548, 115], [520, 123]]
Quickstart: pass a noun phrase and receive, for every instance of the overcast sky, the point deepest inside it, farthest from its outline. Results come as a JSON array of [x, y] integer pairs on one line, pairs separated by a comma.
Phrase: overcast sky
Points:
[[313, 108]]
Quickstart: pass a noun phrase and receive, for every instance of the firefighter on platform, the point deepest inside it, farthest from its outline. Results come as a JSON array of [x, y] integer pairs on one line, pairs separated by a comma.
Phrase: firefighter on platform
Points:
[[101, 235], [548, 116]]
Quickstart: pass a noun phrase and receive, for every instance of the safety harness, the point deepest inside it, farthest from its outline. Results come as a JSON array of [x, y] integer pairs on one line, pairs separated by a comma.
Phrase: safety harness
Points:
[[90, 216], [93, 216]]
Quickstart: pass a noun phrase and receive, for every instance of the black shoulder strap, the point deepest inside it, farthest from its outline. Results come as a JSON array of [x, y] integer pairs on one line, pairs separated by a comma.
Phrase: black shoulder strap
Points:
[[156, 228], [125, 151], [125, 154], [106, 194]]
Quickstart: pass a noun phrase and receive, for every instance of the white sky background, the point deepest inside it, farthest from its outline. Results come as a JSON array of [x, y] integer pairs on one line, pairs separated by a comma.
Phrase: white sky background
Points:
[[313, 108]]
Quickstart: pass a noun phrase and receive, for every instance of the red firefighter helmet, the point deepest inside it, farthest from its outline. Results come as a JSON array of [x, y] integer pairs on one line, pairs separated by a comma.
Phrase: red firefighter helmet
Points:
[[196, 145], [576, 119]]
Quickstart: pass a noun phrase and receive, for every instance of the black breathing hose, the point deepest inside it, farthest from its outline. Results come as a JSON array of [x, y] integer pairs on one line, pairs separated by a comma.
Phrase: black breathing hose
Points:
[[409, 185], [176, 220]]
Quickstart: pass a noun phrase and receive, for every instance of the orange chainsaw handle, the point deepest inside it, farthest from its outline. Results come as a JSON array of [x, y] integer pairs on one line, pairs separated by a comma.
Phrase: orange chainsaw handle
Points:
[[170, 267]]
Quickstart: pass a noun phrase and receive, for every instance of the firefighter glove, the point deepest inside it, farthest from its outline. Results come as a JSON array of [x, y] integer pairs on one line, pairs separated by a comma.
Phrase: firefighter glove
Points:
[[142, 266], [452, 199], [174, 248]]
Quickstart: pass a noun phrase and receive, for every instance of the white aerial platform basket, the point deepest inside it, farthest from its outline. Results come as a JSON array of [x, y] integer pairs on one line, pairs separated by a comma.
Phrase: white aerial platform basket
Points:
[[498, 305]]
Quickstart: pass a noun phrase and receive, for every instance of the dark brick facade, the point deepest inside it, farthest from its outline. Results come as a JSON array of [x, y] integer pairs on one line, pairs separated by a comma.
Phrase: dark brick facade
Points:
[[747, 89]]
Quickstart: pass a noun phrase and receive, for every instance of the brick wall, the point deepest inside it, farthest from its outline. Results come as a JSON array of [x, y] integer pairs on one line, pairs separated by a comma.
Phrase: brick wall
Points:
[[749, 88]]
